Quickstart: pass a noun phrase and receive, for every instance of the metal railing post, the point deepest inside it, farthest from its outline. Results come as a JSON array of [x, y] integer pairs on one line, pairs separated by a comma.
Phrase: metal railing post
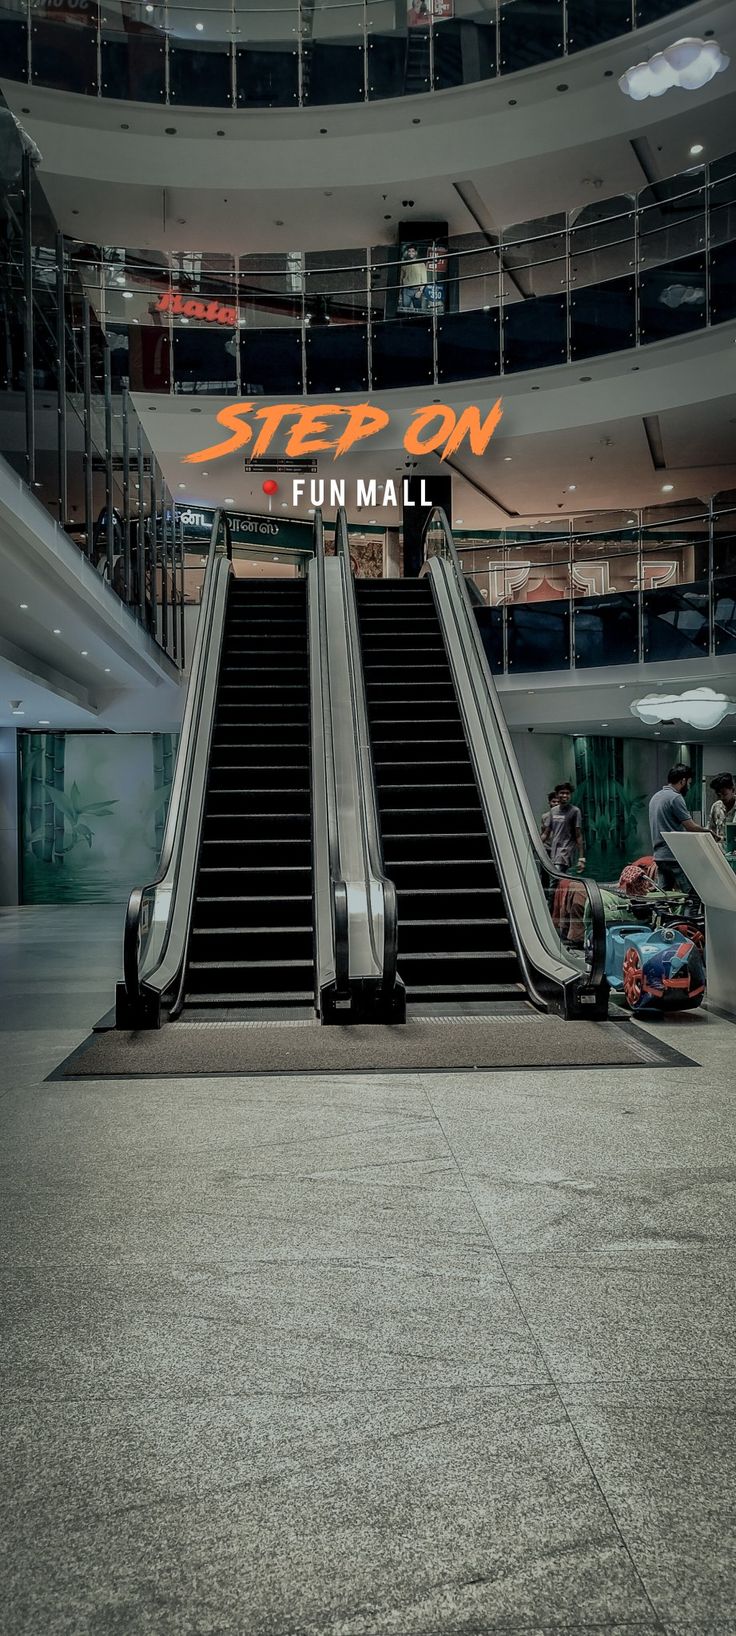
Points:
[[61, 430], [87, 377], [28, 349]]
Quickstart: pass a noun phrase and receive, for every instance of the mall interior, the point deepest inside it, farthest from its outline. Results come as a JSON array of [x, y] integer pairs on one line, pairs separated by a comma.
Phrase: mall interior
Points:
[[367, 817]]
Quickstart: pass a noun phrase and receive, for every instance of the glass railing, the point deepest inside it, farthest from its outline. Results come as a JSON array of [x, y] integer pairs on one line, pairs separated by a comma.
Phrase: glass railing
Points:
[[67, 424], [290, 53], [648, 585], [624, 273]]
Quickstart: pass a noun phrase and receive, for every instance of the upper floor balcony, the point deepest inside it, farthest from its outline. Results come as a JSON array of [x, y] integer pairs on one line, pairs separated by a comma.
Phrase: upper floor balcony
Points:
[[622, 274], [297, 53]]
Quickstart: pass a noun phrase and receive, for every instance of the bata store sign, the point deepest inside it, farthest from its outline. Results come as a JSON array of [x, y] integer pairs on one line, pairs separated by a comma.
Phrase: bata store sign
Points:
[[207, 312]]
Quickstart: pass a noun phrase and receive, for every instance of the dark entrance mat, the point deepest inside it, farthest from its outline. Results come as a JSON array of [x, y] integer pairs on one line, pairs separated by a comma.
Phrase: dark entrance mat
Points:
[[518, 1039]]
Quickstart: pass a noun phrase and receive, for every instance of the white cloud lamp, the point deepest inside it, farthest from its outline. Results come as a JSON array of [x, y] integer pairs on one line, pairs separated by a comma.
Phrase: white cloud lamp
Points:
[[688, 64], [700, 707]]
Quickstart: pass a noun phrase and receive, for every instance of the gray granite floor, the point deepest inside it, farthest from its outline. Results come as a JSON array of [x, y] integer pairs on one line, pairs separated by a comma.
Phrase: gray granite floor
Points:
[[451, 1355]]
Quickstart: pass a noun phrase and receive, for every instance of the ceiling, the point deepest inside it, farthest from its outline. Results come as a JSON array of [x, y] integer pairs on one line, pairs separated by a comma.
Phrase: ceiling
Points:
[[521, 147]]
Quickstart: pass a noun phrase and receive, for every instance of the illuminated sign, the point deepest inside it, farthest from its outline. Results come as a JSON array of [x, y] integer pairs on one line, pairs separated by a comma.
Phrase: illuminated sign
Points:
[[434, 428], [208, 312]]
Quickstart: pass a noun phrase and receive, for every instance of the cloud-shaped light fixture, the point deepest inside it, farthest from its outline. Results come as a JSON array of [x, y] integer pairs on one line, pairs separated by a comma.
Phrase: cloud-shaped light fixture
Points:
[[689, 64], [699, 707]]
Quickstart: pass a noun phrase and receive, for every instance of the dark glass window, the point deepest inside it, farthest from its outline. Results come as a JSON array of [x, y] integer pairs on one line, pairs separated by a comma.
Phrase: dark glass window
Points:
[[402, 353], [468, 345], [607, 630], [271, 361], [724, 615], [672, 299], [591, 21], [676, 622], [531, 32], [490, 625], [464, 52], [337, 358], [534, 333], [204, 360], [332, 72], [199, 77], [13, 43], [538, 636], [133, 67], [602, 318], [267, 78], [723, 283], [64, 55]]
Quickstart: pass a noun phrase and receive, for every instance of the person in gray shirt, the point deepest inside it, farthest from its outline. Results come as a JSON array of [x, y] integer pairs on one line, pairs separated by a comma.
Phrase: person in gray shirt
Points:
[[668, 811], [562, 830]]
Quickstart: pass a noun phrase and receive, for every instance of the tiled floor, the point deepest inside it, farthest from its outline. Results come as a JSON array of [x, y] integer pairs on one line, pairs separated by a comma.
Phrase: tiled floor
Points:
[[440, 1356]]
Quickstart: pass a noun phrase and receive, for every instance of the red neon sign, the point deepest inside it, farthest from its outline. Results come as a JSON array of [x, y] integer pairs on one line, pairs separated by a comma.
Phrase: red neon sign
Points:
[[208, 312]]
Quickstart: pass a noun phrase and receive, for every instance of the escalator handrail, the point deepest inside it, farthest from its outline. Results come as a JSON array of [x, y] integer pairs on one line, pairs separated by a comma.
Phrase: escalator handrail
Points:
[[366, 768], [183, 771], [596, 969], [338, 887]]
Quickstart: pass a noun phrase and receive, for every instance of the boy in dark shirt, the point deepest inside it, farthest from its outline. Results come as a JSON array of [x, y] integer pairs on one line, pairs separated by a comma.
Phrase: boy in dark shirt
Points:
[[562, 830]]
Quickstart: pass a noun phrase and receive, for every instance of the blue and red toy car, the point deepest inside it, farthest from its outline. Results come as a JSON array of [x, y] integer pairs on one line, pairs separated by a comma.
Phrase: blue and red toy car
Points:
[[656, 968]]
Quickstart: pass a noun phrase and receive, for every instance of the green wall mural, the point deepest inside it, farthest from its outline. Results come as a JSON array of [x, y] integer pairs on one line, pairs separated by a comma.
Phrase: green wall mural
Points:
[[613, 781], [93, 809]]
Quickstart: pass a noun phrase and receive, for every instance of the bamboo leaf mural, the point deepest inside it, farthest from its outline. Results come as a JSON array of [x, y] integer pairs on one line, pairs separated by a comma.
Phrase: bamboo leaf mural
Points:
[[93, 809]]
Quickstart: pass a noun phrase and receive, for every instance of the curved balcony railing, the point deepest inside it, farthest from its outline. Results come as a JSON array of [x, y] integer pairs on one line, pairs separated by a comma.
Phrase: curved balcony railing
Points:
[[605, 590], [624, 273], [297, 53]]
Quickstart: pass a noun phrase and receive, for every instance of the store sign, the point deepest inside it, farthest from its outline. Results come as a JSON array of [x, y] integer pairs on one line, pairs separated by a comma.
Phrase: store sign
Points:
[[420, 13], [265, 533], [206, 312]]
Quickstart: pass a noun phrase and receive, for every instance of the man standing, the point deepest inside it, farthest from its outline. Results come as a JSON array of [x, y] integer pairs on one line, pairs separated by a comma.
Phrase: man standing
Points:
[[562, 830], [668, 811]]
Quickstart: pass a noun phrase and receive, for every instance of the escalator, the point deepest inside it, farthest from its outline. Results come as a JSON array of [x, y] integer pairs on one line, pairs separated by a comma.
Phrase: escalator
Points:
[[483, 918], [270, 890], [454, 939], [252, 930]]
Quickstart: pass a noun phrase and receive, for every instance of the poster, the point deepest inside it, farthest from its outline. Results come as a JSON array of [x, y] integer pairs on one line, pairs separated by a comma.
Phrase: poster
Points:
[[420, 13], [423, 276]]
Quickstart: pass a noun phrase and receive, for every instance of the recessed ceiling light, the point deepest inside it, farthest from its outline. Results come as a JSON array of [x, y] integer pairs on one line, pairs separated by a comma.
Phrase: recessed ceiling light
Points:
[[19, 712], [199, 27], [149, 8], [84, 653], [229, 501], [284, 505], [604, 724], [182, 485], [508, 457], [696, 149], [571, 488], [107, 670], [458, 522], [667, 488], [56, 631], [44, 723], [127, 295], [22, 604]]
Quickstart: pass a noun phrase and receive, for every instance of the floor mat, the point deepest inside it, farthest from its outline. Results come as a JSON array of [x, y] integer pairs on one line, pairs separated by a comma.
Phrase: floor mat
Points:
[[513, 1040]]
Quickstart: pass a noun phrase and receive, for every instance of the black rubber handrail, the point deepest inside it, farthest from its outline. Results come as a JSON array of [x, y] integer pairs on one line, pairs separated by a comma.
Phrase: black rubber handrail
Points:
[[338, 887], [369, 800], [595, 974], [178, 803]]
